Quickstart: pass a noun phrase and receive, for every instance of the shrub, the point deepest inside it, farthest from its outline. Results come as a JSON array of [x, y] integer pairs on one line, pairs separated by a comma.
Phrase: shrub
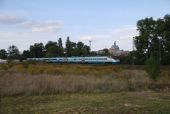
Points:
[[153, 68]]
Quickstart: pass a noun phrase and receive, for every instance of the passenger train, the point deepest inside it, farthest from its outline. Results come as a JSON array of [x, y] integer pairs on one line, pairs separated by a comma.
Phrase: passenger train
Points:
[[88, 60]]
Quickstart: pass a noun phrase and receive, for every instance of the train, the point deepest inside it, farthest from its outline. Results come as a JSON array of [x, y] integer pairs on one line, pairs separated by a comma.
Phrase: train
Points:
[[86, 60]]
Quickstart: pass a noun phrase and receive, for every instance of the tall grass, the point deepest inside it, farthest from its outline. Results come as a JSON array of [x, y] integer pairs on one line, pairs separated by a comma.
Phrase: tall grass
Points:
[[31, 79]]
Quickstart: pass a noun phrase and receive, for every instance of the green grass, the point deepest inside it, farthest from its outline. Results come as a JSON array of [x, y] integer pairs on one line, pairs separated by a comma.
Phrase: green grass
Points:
[[106, 103]]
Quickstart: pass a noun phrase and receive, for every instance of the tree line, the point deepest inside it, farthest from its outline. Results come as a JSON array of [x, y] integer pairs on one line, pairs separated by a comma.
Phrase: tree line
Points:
[[50, 49]]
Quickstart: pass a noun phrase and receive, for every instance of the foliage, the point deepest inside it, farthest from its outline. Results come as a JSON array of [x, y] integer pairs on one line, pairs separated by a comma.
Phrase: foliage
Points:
[[126, 59], [68, 47], [13, 52], [154, 38], [3, 54], [37, 50], [26, 54], [153, 68], [61, 49], [76, 49], [52, 49]]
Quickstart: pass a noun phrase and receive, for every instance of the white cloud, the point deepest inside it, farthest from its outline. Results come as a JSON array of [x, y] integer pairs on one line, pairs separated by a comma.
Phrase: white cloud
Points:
[[11, 19], [40, 31], [51, 26], [46, 26]]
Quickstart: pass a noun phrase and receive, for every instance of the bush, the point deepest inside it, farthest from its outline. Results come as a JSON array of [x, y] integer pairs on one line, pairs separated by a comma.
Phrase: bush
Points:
[[153, 68]]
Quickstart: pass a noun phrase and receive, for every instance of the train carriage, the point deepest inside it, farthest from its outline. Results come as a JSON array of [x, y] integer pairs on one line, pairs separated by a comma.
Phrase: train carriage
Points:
[[88, 60]]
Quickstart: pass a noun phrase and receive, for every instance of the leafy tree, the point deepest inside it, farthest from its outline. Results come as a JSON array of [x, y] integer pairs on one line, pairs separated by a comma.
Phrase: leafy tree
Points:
[[68, 47], [37, 50], [154, 38], [26, 54], [76, 49], [164, 29], [52, 49], [61, 49], [3, 54], [80, 49], [13, 52], [145, 42], [50, 43], [86, 50]]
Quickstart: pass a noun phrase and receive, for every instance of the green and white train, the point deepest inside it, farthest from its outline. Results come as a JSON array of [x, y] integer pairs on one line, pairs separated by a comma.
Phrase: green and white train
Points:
[[87, 60]]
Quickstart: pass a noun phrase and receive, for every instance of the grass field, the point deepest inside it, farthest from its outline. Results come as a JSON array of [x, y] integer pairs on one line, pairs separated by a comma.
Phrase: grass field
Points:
[[105, 103], [67, 88]]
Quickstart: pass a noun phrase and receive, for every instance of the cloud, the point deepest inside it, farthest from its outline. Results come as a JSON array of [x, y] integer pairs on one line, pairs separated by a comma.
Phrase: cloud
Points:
[[46, 26], [50, 26], [27, 31], [11, 19]]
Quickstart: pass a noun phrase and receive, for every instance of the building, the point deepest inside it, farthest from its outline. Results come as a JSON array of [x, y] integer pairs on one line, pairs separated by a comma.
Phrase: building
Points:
[[115, 50]]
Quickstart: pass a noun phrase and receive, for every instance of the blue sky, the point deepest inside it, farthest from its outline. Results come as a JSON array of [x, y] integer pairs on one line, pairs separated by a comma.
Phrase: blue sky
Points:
[[24, 22]]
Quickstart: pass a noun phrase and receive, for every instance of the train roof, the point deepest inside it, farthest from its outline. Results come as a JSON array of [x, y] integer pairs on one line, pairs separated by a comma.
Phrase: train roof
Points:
[[70, 57]]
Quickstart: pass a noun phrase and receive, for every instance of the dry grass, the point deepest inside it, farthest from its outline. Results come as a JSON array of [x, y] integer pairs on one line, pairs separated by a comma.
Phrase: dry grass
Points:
[[31, 79]]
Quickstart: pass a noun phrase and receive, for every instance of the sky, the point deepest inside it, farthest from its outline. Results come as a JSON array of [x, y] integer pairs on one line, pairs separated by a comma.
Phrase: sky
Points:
[[25, 22]]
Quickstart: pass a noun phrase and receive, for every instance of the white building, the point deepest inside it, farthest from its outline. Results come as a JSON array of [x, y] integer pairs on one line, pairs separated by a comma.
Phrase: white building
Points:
[[115, 51]]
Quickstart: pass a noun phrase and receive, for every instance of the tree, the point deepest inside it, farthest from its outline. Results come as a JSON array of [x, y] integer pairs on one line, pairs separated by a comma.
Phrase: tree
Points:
[[13, 52], [146, 42], [164, 28], [68, 47], [3, 54], [154, 38], [86, 50], [52, 49], [37, 50], [61, 49], [80, 49], [26, 54]]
